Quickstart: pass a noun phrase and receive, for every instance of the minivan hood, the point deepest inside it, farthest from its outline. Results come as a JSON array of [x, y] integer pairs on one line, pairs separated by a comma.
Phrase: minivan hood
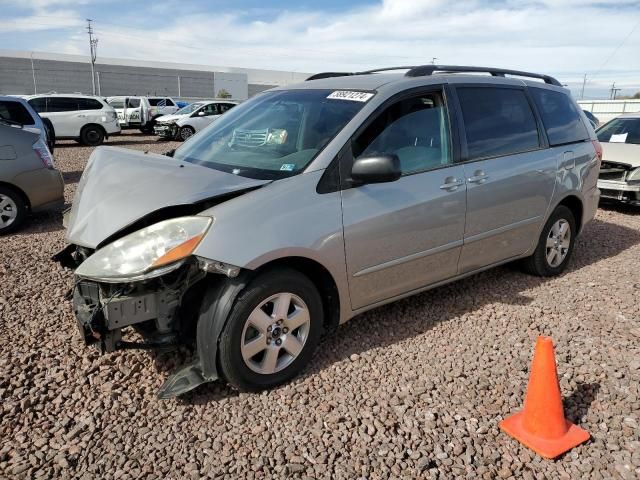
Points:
[[628, 153], [120, 186]]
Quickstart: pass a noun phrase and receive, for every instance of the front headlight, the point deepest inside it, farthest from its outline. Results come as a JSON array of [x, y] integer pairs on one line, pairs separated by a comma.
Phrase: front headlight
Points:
[[634, 175], [147, 253]]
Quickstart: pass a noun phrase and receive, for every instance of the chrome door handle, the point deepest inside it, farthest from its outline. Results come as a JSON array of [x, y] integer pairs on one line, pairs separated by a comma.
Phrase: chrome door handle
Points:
[[479, 177], [568, 160], [451, 183]]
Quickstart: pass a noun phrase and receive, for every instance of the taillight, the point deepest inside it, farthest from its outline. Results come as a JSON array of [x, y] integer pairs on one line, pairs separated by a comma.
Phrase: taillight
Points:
[[42, 151], [598, 147]]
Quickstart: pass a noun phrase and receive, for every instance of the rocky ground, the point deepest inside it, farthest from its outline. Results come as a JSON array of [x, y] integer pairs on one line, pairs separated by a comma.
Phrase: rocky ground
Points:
[[413, 389]]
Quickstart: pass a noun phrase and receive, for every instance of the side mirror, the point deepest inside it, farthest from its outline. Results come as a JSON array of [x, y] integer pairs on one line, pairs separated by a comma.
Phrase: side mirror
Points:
[[376, 169], [201, 114]]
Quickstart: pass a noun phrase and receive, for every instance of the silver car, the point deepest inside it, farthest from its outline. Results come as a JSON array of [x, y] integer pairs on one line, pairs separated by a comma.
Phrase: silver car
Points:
[[312, 203]]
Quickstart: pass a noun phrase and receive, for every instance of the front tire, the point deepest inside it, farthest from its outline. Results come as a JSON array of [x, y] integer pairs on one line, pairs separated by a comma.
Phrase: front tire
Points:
[[186, 133], [555, 245], [272, 331], [13, 210], [92, 135]]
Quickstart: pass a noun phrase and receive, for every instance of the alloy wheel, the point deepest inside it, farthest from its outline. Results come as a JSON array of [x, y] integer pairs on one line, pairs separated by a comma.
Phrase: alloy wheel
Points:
[[558, 242], [8, 211], [275, 333]]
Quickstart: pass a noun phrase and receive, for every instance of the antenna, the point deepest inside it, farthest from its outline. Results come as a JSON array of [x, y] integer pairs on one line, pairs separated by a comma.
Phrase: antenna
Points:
[[93, 47]]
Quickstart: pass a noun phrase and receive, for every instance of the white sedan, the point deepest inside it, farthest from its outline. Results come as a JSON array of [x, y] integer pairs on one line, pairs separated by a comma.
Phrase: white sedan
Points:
[[191, 119]]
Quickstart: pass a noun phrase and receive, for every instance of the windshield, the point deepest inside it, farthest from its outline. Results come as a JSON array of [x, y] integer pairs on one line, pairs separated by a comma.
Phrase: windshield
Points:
[[275, 134], [620, 130], [192, 107]]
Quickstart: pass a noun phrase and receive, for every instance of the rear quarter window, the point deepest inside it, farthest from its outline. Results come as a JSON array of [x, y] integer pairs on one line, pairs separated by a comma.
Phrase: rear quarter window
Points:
[[497, 121], [15, 112], [89, 104], [560, 116]]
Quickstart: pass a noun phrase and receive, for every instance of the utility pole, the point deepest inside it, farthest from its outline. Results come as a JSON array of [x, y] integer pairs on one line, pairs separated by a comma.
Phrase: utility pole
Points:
[[93, 47], [614, 91], [584, 82], [433, 60], [33, 73]]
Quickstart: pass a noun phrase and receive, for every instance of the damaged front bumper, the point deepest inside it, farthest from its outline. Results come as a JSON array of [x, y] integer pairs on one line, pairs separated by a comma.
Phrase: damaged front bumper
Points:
[[166, 130], [153, 307], [621, 191]]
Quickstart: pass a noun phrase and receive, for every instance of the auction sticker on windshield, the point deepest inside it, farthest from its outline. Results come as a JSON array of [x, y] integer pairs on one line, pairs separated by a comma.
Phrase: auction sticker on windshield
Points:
[[350, 95]]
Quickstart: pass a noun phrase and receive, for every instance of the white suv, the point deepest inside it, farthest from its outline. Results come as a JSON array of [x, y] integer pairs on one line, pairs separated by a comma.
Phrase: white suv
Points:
[[84, 118], [141, 112]]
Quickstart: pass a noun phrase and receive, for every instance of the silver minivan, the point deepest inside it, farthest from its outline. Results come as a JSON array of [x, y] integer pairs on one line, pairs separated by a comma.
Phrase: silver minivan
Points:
[[312, 203]]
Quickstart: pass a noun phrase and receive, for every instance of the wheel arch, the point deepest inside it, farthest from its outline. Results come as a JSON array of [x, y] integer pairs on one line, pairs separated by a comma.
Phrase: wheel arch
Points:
[[19, 191], [575, 204], [322, 280]]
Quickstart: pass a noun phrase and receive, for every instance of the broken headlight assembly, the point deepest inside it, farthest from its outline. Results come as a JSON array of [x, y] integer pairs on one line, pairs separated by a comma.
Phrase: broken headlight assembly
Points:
[[147, 253]]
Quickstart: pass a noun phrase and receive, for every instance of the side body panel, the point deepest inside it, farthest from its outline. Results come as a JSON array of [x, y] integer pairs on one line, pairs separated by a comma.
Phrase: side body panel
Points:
[[402, 235], [287, 218], [506, 210]]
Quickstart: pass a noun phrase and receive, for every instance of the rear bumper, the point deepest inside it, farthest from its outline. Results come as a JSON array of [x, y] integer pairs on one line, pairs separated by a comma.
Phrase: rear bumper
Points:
[[44, 188]]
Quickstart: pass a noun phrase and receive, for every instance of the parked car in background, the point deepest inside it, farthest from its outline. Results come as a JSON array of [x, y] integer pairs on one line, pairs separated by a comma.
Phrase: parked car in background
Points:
[[311, 203], [29, 181], [191, 119], [85, 118], [593, 120], [181, 104], [620, 171], [17, 109], [141, 112]]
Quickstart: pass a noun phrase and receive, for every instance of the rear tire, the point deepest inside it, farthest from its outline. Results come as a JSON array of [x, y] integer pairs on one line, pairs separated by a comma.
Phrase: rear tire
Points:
[[555, 245], [92, 135], [262, 346], [13, 210]]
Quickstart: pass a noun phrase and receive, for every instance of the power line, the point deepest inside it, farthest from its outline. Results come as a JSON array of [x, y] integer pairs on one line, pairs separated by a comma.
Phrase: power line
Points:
[[624, 40]]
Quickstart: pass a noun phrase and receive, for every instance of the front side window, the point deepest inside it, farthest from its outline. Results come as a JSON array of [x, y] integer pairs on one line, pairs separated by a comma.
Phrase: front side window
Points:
[[223, 107], [62, 104], [209, 110], [133, 102], [560, 116], [116, 102], [15, 112], [620, 130], [497, 121], [415, 129], [275, 134], [192, 107]]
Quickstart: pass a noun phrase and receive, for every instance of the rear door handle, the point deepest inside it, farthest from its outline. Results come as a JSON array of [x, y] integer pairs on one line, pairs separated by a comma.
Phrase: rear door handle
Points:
[[451, 184], [478, 177]]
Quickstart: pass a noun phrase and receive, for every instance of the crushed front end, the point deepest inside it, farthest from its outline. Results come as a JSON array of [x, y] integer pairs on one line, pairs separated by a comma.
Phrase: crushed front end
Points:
[[619, 182], [168, 130]]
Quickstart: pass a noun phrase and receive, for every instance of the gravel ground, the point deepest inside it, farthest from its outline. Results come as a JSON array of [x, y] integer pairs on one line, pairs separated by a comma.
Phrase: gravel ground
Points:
[[412, 389]]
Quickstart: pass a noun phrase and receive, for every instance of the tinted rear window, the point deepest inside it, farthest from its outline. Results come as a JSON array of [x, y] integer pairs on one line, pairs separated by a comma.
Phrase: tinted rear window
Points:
[[133, 102], [39, 104], [15, 112], [560, 116], [497, 121], [62, 104]]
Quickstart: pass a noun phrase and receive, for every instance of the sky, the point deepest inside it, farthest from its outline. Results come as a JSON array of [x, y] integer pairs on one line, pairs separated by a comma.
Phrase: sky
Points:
[[564, 38]]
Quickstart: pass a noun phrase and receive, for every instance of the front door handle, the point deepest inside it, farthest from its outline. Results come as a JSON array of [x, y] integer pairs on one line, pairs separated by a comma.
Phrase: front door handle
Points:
[[478, 177], [451, 184]]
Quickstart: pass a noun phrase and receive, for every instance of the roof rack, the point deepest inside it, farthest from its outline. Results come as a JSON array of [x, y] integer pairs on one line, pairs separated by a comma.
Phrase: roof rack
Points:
[[427, 70]]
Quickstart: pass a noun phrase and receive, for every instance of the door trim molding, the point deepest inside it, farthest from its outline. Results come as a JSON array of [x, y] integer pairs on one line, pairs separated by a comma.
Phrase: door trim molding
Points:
[[499, 230], [408, 258]]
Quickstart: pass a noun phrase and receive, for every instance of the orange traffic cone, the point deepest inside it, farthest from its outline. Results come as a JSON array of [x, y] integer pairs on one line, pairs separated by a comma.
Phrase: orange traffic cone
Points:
[[541, 425]]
